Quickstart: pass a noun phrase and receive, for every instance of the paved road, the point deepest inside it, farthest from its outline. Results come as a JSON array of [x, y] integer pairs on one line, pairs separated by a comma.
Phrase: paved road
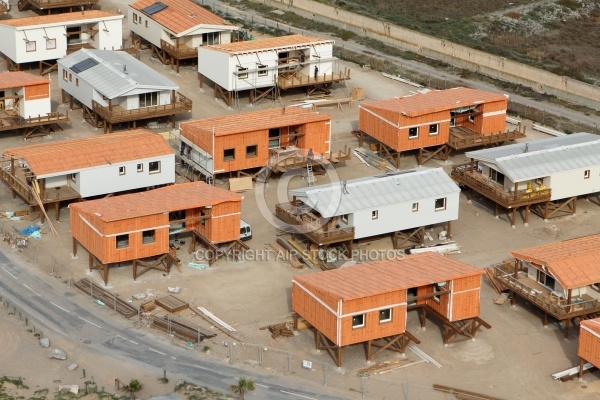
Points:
[[415, 66], [62, 311]]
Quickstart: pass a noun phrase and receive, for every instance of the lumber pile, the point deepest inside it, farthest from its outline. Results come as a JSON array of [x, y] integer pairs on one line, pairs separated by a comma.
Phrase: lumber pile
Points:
[[370, 158], [385, 366], [282, 252], [284, 329], [496, 284]]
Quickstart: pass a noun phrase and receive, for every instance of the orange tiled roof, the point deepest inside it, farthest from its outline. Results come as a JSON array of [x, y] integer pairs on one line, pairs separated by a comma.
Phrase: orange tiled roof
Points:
[[385, 276], [58, 18], [183, 196], [76, 154], [252, 121], [180, 15], [434, 101], [20, 79], [268, 44], [574, 263], [591, 324]]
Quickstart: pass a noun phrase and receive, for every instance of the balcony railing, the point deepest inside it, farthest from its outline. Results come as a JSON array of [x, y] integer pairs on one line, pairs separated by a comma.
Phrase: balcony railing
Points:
[[463, 138], [118, 114], [179, 52], [309, 225], [469, 176], [543, 298]]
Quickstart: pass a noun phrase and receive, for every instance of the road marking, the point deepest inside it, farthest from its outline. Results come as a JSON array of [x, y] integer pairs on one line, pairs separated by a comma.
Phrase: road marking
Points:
[[89, 322], [298, 395], [32, 290], [10, 273], [258, 384], [197, 366], [56, 305], [127, 339], [156, 351]]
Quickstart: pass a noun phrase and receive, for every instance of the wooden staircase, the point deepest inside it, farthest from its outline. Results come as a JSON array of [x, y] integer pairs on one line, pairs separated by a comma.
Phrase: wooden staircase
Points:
[[24, 5]]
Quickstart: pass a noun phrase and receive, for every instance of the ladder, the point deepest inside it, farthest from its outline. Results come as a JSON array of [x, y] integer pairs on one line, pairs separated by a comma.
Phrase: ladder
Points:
[[310, 176]]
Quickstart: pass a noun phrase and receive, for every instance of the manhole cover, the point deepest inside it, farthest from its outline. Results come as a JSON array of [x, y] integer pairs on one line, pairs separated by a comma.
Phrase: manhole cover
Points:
[[87, 341], [57, 381]]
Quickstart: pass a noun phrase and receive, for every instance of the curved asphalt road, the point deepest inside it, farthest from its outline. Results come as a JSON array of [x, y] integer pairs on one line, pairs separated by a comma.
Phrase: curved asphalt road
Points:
[[61, 310]]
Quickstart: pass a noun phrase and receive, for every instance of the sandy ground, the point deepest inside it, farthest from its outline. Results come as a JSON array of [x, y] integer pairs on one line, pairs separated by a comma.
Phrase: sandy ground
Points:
[[512, 360]]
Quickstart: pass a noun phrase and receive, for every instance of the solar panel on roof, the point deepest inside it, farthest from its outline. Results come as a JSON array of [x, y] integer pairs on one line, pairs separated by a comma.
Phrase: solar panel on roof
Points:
[[154, 8], [84, 65]]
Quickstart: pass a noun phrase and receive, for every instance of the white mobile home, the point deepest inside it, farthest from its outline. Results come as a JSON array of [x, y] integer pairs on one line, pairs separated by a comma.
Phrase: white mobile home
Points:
[[176, 28], [25, 94], [538, 172], [283, 62], [114, 87], [402, 203], [50, 37], [87, 167]]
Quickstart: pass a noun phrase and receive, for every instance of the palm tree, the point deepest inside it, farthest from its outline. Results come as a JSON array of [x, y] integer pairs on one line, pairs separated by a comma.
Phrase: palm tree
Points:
[[242, 386], [133, 387]]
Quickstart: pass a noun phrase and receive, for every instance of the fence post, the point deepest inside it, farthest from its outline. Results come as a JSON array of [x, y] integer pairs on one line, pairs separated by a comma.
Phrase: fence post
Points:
[[363, 386], [289, 363], [230, 353]]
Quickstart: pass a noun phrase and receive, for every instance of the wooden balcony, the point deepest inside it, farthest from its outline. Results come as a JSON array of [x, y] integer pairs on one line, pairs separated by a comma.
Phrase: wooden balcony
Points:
[[289, 79], [24, 5], [17, 183], [543, 298], [118, 114], [181, 52], [469, 176], [304, 222], [462, 138]]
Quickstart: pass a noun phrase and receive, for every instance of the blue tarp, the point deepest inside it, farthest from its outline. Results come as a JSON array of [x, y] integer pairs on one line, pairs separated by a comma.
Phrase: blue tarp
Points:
[[29, 230]]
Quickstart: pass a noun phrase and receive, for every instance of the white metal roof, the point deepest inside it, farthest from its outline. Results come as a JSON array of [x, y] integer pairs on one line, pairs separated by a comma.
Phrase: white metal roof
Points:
[[346, 197], [117, 73], [526, 161]]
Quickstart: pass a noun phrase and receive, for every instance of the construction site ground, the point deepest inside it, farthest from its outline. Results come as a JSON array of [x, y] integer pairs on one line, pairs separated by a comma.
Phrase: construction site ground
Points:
[[513, 360]]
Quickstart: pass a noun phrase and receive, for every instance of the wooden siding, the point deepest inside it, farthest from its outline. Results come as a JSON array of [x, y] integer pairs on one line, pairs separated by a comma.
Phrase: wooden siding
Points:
[[239, 143], [314, 312], [441, 306], [373, 329], [316, 136], [465, 298], [34, 92], [224, 226], [589, 346], [488, 125]]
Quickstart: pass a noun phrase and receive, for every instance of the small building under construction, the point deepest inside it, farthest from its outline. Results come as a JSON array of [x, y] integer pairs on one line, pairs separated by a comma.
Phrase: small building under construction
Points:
[[25, 105], [543, 176], [400, 204], [369, 303], [435, 123], [136, 227], [589, 344], [47, 38], [55, 6], [114, 87], [267, 66], [175, 29], [48, 174], [277, 137], [560, 279]]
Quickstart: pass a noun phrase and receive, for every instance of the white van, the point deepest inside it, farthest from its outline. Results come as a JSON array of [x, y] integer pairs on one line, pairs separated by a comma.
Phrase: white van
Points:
[[245, 230]]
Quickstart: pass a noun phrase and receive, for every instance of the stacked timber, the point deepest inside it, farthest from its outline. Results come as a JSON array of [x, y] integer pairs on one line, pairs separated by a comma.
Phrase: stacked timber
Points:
[[283, 252], [496, 284], [284, 329], [105, 297]]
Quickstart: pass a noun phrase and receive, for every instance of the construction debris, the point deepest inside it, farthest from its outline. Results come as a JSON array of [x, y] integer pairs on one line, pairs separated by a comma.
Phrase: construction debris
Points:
[[496, 284], [386, 366], [571, 373], [373, 160], [171, 304], [284, 329], [447, 248], [106, 297], [215, 319], [282, 252]]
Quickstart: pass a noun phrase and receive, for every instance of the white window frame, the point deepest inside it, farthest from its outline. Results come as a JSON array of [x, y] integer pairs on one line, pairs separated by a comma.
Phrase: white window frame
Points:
[[385, 320], [586, 174], [416, 130], [30, 46], [435, 131], [140, 167], [50, 44], [122, 170], [415, 207], [359, 325], [262, 70], [241, 73], [444, 199], [154, 170], [375, 214]]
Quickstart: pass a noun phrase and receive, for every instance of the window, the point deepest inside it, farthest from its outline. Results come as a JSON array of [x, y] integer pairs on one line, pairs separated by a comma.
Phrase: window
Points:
[[413, 132], [546, 280], [374, 214], [50, 44], [440, 204], [345, 218], [140, 168], [433, 129], [438, 288], [496, 176], [251, 151], [586, 174], [148, 236], [274, 139], [242, 73], [76, 81], [385, 315], [73, 178], [358, 321], [30, 45], [415, 207], [148, 99], [452, 122], [471, 119], [211, 38], [135, 18], [229, 155], [65, 75], [70, 77], [262, 70], [122, 241], [121, 170], [154, 167], [146, 23]]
